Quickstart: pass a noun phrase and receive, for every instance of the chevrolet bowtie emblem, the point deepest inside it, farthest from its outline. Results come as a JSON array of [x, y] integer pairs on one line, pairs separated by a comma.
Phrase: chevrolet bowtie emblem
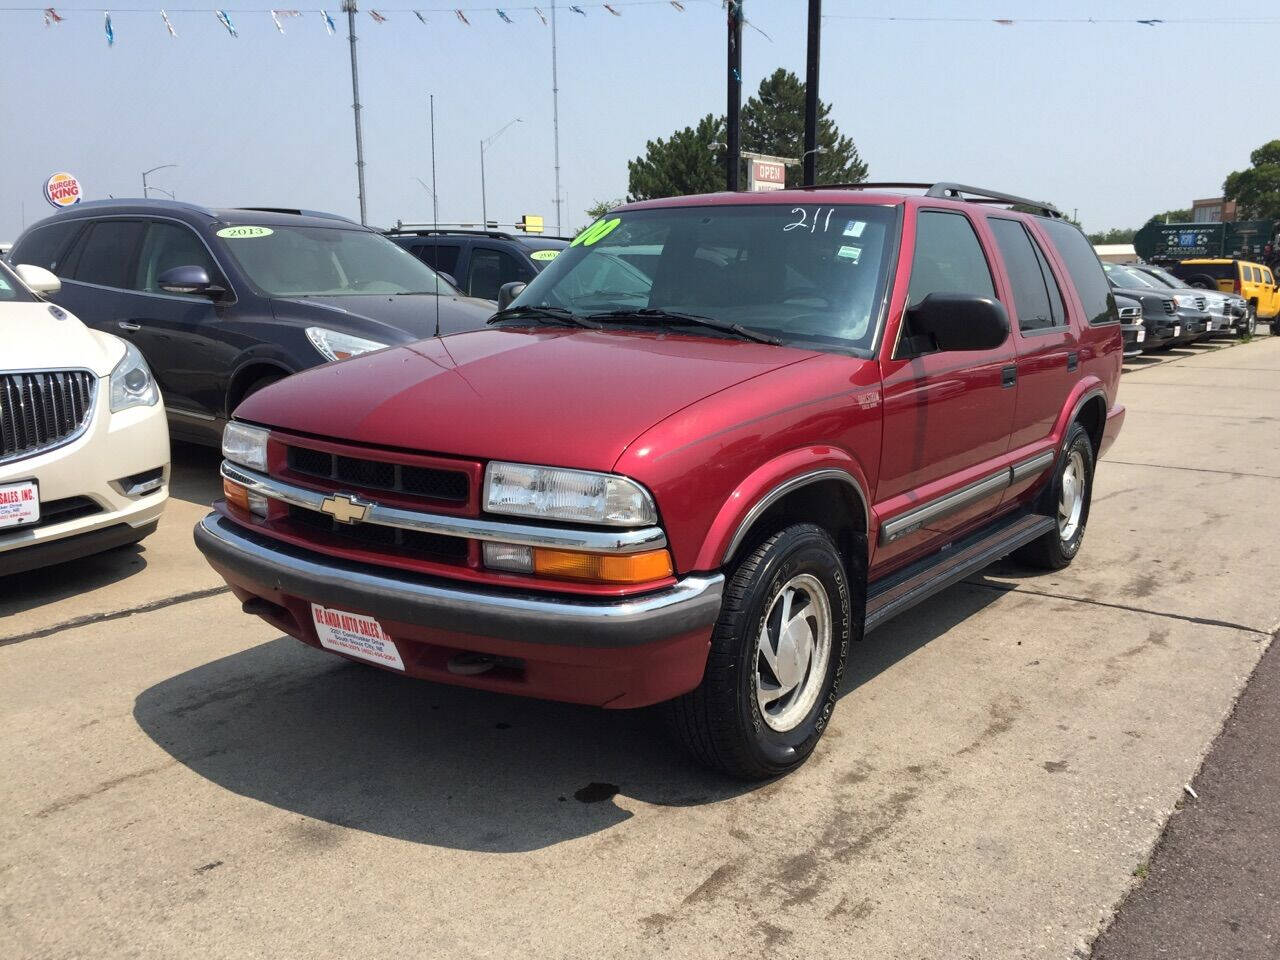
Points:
[[345, 509]]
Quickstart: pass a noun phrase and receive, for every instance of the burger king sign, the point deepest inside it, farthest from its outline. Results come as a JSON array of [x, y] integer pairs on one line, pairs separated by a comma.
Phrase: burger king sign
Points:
[[63, 190]]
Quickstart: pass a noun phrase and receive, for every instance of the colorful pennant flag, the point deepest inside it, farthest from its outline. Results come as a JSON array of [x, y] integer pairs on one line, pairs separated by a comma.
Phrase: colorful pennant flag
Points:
[[505, 18], [578, 10], [167, 25], [611, 10], [51, 16], [678, 5], [225, 20], [463, 17], [418, 14], [541, 16], [377, 17], [328, 22], [111, 34]]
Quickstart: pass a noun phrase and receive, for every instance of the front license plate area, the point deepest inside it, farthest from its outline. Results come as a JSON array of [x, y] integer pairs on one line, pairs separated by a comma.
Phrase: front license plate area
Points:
[[355, 635], [19, 504]]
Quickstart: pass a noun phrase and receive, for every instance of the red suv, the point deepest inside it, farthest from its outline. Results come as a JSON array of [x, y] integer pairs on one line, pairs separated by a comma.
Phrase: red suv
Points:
[[701, 454]]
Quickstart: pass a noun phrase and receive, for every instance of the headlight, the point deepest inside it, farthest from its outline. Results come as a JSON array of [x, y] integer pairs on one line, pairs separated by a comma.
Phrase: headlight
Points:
[[580, 496], [131, 382], [339, 346], [245, 445]]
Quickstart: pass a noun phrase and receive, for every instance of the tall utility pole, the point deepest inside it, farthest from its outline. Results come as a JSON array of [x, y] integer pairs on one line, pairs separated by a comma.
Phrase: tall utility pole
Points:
[[555, 112], [733, 155], [484, 145], [350, 7], [435, 203], [810, 173]]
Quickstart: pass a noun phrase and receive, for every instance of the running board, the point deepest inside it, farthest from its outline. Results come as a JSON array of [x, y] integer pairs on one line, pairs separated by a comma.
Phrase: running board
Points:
[[902, 590]]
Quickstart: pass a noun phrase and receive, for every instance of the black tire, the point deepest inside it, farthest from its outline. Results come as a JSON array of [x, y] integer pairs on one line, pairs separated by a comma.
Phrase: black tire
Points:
[[1275, 327], [721, 722], [1053, 551]]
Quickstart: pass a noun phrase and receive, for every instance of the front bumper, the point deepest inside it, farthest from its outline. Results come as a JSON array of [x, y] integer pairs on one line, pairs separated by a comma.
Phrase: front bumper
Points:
[[1194, 323], [1135, 335], [112, 448], [610, 652]]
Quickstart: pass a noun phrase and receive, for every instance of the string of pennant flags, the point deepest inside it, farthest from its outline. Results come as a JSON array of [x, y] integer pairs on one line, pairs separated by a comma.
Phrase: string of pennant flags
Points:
[[463, 15]]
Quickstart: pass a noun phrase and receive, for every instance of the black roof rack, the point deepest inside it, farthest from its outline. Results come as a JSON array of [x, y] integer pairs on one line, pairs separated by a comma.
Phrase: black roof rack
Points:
[[297, 212], [418, 231], [951, 191]]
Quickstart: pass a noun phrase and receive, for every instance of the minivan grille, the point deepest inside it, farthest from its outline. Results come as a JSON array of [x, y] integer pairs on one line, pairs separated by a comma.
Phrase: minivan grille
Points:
[[1200, 302], [1170, 307], [39, 411]]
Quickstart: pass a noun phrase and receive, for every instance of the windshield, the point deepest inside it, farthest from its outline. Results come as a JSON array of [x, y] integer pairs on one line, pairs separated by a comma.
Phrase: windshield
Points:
[[1130, 279], [327, 262], [813, 275], [11, 288]]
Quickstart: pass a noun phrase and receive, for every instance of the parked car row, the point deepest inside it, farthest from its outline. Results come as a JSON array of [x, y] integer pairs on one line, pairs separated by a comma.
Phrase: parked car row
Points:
[[1173, 313]]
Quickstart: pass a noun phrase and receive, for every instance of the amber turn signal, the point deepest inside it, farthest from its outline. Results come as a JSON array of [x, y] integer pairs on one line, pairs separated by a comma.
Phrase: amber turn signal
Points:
[[236, 495], [602, 568]]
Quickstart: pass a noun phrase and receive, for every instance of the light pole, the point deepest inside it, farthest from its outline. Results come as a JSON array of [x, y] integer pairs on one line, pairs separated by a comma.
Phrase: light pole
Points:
[[147, 173], [484, 145]]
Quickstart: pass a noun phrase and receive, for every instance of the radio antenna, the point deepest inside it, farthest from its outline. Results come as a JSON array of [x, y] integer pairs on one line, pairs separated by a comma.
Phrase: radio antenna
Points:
[[435, 207]]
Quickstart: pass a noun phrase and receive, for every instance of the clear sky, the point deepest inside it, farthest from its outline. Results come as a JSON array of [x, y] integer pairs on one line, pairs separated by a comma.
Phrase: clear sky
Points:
[[1115, 120]]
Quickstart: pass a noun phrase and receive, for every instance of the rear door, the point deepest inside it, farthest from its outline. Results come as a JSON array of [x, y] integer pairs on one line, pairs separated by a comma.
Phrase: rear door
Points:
[[97, 271], [1047, 346]]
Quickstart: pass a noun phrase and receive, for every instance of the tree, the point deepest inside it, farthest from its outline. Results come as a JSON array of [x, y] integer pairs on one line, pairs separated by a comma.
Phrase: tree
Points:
[[686, 163], [601, 207], [773, 124], [1114, 235], [1257, 189], [1171, 216]]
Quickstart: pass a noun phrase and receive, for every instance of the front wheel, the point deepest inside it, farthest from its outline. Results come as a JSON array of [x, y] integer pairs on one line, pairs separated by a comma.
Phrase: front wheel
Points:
[[778, 653], [1069, 496]]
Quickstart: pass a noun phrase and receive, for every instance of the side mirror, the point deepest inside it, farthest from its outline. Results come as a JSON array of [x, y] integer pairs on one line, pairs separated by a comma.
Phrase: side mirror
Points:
[[508, 292], [448, 276], [38, 279], [188, 280], [955, 321]]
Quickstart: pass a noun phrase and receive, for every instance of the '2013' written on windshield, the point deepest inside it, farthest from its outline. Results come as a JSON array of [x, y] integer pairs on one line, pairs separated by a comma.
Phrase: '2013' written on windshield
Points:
[[804, 220]]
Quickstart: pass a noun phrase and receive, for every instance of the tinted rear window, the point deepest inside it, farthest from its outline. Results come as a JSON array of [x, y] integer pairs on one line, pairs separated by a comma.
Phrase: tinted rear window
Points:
[[1030, 291], [1085, 269], [105, 255], [44, 246]]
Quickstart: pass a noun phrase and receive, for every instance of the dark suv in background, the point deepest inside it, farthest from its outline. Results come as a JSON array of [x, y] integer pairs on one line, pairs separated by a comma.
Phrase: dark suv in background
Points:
[[480, 262], [223, 302]]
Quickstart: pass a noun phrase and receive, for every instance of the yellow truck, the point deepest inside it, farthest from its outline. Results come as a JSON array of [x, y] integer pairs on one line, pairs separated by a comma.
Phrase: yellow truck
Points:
[[1253, 281]]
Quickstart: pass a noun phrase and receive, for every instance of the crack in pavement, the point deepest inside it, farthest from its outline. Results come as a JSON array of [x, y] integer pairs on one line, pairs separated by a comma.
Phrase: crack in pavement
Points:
[[1184, 617], [93, 618], [1170, 466]]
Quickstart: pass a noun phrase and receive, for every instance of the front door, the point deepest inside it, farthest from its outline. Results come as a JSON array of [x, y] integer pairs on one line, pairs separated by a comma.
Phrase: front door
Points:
[[947, 416]]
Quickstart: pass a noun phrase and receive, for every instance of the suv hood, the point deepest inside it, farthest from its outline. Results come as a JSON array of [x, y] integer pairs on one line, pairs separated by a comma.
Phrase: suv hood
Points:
[[569, 398], [41, 336], [414, 314]]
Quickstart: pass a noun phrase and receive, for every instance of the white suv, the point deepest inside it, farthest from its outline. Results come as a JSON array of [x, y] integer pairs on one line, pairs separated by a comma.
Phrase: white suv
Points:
[[84, 447]]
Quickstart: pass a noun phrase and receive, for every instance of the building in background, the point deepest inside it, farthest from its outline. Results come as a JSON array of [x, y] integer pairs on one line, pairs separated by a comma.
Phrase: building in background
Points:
[[1213, 210]]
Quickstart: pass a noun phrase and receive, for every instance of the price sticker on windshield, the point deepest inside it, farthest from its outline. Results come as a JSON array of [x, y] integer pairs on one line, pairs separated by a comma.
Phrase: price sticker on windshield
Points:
[[544, 256], [597, 232], [244, 232]]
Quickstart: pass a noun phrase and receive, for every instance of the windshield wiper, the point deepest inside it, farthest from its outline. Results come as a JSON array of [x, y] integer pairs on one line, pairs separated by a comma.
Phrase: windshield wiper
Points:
[[553, 314], [693, 319]]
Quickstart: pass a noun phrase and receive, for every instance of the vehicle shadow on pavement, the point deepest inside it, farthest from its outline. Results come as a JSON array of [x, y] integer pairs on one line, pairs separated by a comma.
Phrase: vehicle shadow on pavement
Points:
[[36, 588], [368, 750], [194, 473]]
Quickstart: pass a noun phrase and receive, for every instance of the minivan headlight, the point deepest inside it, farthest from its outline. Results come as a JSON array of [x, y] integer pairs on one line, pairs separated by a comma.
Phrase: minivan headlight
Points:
[[334, 345], [245, 445], [131, 382], [580, 496]]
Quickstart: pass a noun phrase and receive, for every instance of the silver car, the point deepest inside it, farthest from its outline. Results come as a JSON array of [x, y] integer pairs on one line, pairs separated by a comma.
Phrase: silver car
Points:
[[1227, 311]]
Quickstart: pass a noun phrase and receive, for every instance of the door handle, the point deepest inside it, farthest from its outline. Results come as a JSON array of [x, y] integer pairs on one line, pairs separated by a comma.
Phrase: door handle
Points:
[[127, 326], [1073, 360], [1008, 375]]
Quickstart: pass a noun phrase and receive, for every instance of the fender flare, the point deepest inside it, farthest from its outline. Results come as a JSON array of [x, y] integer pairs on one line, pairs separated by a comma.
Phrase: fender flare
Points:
[[768, 484], [261, 355], [1086, 390]]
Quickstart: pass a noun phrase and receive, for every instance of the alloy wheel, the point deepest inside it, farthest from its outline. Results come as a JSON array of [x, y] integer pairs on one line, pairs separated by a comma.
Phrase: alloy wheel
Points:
[[792, 652], [1071, 496]]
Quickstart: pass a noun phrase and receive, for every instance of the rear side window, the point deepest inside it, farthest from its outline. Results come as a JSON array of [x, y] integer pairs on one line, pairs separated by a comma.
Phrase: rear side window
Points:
[[1030, 277], [170, 245], [1257, 274], [104, 253], [948, 258], [1085, 269], [442, 257], [44, 246], [489, 270]]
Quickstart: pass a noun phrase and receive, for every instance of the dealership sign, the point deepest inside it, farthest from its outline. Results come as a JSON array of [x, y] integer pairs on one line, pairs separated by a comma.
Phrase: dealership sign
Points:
[[767, 174], [63, 190]]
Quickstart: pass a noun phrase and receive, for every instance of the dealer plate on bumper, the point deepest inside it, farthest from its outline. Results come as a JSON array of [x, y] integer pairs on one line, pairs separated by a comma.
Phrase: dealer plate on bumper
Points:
[[19, 504], [356, 636]]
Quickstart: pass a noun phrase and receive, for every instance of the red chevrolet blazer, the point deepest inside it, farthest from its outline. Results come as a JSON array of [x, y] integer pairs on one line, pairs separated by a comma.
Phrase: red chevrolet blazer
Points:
[[716, 441]]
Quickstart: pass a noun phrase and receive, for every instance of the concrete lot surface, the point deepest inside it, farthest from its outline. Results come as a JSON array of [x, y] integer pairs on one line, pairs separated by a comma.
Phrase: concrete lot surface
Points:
[[182, 781]]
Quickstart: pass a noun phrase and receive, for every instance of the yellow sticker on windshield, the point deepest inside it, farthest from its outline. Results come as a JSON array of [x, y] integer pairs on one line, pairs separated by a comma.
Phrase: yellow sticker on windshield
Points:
[[543, 255], [243, 233], [596, 232]]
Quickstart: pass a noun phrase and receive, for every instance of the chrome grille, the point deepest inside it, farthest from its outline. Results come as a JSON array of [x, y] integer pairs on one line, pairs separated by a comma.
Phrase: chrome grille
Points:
[[39, 411], [1200, 302], [1130, 314], [1170, 307]]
